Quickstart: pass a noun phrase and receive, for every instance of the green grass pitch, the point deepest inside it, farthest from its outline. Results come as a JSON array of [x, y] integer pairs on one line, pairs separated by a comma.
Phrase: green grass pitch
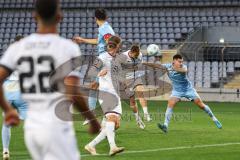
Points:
[[192, 135]]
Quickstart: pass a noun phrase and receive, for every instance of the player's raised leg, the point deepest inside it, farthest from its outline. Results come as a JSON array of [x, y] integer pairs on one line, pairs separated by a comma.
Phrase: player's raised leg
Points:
[[207, 109], [168, 114], [143, 102], [134, 107], [92, 99]]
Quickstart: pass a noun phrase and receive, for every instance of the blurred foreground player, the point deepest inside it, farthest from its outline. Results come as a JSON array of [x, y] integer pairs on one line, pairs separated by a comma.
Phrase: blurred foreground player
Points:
[[105, 31], [35, 57]]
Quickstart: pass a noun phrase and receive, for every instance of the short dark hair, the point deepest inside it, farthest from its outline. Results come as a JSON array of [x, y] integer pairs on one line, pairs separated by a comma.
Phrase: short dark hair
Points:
[[177, 56], [18, 38], [101, 14], [113, 42], [47, 9], [135, 48]]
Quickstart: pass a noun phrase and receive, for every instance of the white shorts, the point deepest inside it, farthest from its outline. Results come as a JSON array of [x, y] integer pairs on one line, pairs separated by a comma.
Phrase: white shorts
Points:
[[55, 143], [110, 103]]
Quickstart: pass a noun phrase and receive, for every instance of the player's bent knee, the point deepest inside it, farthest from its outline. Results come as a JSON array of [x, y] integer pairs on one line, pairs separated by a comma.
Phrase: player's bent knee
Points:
[[115, 119], [199, 102], [172, 102]]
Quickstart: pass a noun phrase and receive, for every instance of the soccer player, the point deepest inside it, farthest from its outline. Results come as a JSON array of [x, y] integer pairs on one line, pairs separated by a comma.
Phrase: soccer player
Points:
[[35, 57], [105, 31], [134, 81], [13, 96], [182, 87], [108, 65]]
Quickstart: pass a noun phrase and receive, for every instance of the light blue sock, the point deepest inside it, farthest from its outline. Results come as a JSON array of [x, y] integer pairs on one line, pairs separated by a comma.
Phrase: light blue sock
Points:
[[6, 136], [92, 100], [168, 116], [209, 112]]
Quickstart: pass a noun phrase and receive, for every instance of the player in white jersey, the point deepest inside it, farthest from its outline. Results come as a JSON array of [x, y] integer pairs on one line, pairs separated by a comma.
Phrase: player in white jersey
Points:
[[134, 82], [109, 68], [47, 136]]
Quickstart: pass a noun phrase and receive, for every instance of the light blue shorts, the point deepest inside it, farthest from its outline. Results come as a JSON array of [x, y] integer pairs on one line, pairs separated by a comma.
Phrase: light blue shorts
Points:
[[21, 106], [190, 94]]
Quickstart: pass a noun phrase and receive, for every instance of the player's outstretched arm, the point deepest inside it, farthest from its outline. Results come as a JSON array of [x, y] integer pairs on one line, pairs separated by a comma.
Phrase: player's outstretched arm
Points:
[[11, 116], [73, 93], [79, 40], [154, 65], [180, 69]]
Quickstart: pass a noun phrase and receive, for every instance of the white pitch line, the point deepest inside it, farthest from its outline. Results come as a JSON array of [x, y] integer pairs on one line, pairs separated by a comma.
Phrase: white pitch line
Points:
[[172, 148]]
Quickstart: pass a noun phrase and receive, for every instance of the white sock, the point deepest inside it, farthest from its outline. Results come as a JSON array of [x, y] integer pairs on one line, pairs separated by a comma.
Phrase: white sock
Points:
[[168, 116], [6, 136], [101, 136], [209, 112], [110, 131], [136, 115], [145, 110]]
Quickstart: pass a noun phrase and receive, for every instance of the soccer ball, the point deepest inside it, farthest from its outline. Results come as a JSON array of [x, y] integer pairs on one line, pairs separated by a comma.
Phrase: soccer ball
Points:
[[153, 50]]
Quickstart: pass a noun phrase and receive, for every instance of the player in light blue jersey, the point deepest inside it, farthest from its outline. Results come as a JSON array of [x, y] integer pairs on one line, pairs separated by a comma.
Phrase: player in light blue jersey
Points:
[[182, 88], [105, 31], [13, 96]]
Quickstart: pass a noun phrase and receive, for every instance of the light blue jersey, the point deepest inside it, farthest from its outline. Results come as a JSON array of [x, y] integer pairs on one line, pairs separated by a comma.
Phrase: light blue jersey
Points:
[[104, 33], [13, 95], [11, 90], [179, 80], [182, 87]]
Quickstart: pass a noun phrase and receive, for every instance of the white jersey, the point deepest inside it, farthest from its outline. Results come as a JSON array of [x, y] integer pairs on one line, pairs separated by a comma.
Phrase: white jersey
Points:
[[14, 76], [136, 74], [35, 57], [109, 82]]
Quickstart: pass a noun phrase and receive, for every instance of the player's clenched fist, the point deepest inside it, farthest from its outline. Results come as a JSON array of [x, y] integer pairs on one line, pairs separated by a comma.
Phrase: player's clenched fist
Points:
[[12, 118]]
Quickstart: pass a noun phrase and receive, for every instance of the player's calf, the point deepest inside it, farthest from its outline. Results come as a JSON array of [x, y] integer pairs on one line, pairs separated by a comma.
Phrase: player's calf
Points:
[[207, 109]]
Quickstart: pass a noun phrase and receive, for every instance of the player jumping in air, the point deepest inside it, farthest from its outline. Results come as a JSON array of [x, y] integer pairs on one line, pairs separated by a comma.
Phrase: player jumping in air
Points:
[[134, 82], [182, 87], [105, 31], [35, 57]]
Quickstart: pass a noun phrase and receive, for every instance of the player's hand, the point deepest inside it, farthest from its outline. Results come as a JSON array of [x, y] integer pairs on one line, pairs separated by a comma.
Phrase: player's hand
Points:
[[102, 73], [78, 39], [12, 118], [94, 85], [95, 127]]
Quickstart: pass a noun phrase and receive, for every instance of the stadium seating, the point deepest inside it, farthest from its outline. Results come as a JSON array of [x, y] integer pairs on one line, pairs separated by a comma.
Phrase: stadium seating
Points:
[[210, 74], [162, 26], [155, 21], [23, 4]]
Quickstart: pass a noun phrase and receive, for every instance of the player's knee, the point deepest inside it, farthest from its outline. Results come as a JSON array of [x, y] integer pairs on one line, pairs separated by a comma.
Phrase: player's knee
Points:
[[115, 119], [199, 102], [171, 103]]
